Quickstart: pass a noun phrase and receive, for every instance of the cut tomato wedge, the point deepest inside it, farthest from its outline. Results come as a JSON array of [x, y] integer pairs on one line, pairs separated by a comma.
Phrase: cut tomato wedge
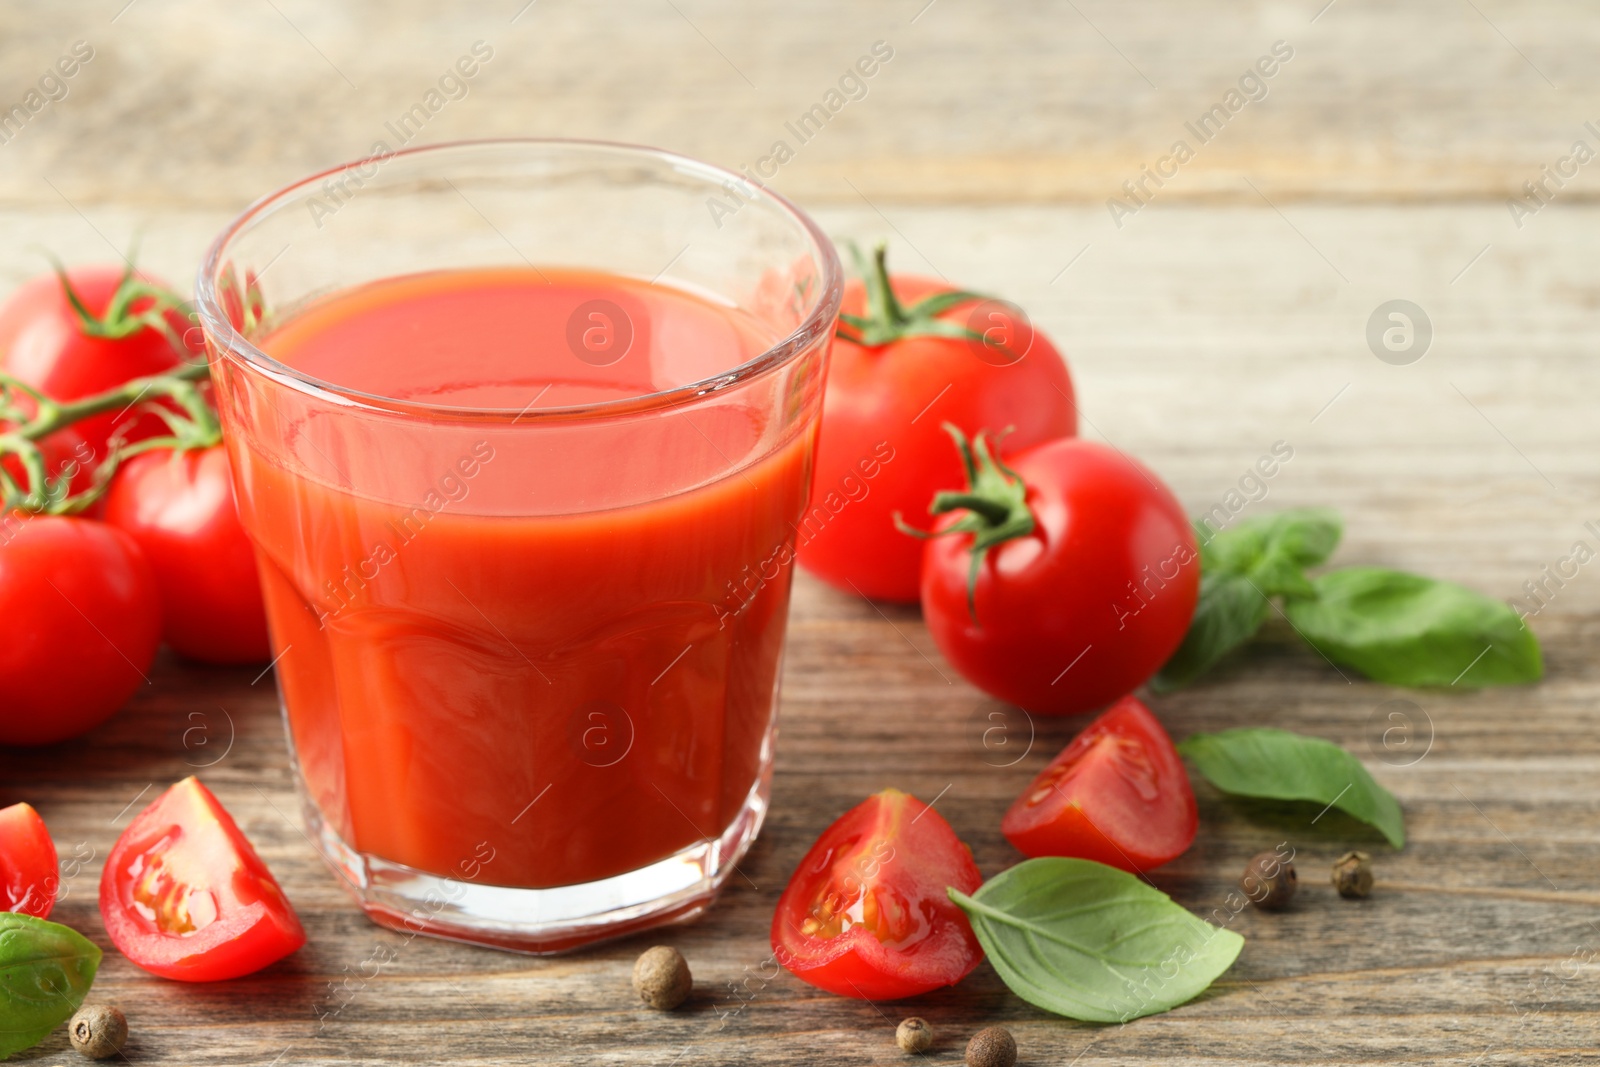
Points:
[[185, 896], [866, 914], [28, 877], [1118, 794]]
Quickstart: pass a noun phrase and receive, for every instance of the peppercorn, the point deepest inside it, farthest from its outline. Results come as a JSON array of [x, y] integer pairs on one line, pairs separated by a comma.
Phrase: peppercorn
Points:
[[661, 978], [99, 1032], [913, 1034], [1352, 875], [994, 1047], [1269, 880]]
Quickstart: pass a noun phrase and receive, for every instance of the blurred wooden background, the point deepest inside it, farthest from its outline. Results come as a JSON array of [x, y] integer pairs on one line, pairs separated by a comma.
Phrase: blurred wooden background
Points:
[[1227, 313]]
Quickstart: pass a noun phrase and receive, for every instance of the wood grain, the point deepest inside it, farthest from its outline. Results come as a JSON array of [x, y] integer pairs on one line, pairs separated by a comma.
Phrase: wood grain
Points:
[[1227, 315], [190, 102], [1476, 939], [1197, 341]]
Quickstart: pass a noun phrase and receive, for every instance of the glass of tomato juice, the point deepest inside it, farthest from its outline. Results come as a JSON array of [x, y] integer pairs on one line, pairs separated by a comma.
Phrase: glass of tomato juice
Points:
[[520, 431]]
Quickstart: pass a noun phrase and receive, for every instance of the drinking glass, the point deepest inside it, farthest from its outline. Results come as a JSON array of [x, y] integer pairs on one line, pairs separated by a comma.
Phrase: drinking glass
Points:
[[528, 656]]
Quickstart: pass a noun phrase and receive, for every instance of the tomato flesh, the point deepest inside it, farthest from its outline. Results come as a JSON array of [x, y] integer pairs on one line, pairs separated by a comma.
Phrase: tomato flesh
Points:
[[185, 896], [1118, 794], [28, 878], [866, 914]]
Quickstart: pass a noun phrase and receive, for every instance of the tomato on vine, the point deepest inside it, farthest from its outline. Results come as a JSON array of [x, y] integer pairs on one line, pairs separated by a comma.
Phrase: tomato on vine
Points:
[[86, 599], [86, 624], [909, 354], [178, 504], [83, 331]]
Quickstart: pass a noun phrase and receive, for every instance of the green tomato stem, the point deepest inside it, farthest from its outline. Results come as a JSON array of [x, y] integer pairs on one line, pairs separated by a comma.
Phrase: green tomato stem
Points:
[[995, 501], [888, 320], [196, 427]]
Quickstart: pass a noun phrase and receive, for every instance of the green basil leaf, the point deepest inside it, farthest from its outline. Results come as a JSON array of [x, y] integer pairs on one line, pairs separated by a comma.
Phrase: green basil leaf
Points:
[[1305, 536], [1229, 612], [1091, 942], [1272, 544], [45, 972], [1279, 576], [1241, 567], [1283, 765], [1405, 629]]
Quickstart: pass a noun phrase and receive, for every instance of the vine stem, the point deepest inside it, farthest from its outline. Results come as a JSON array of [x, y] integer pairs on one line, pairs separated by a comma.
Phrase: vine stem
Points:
[[196, 427], [52, 415]]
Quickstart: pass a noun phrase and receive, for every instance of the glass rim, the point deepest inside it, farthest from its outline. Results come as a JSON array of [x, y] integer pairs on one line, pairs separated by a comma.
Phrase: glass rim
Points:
[[817, 322]]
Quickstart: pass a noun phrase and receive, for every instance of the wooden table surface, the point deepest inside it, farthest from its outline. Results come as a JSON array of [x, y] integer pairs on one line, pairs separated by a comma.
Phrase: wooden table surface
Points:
[[1228, 313]]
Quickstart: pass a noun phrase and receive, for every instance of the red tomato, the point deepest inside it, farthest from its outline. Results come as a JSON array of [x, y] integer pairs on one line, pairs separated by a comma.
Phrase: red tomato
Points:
[[185, 896], [179, 506], [28, 878], [881, 450], [84, 624], [65, 452], [1118, 794], [866, 914], [1087, 589], [43, 343]]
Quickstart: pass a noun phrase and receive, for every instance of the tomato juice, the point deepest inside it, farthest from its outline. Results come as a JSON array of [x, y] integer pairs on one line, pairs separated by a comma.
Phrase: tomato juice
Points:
[[522, 647]]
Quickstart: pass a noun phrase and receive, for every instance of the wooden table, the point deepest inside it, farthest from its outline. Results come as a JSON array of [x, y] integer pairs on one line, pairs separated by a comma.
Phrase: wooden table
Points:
[[1226, 314]]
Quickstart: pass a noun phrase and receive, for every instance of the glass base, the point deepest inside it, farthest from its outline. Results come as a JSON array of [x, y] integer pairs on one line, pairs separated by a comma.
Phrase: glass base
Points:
[[544, 921]]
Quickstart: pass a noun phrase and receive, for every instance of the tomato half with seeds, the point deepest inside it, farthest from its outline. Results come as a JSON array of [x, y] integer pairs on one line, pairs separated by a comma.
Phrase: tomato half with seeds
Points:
[[28, 878], [1118, 794], [185, 896], [866, 914]]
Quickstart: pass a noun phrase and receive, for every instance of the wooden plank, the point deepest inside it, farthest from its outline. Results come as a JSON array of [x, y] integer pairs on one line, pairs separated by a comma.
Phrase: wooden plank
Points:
[[186, 102], [1464, 934], [1198, 337]]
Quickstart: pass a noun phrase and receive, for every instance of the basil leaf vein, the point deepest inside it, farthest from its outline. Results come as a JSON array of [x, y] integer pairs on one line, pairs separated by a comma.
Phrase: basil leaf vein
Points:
[[1282, 765], [1090, 942]]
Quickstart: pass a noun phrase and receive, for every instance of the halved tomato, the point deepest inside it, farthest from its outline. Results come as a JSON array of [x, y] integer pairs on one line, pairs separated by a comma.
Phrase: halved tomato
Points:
[[866, 914], [185, 896], [28, 877], [1118, 794]]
